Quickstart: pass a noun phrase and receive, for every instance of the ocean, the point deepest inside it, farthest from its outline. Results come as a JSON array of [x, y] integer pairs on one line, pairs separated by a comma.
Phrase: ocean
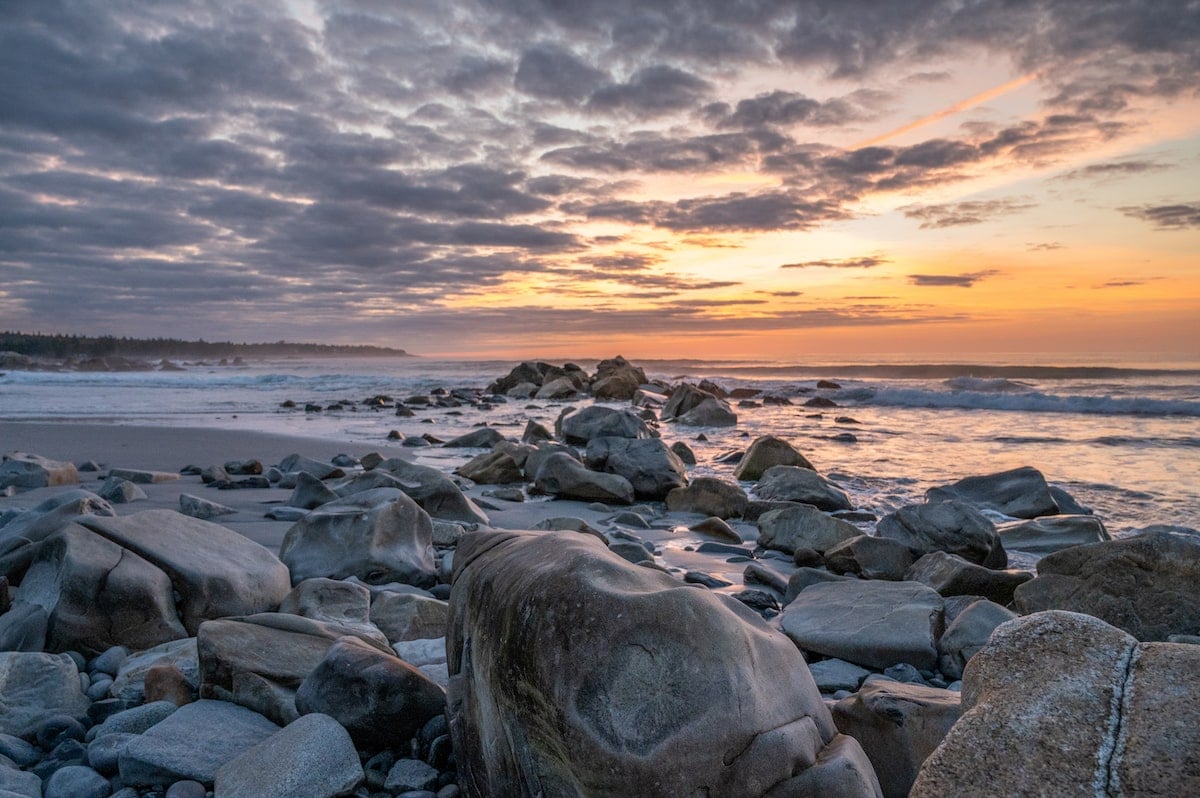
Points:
[[1123, 439]]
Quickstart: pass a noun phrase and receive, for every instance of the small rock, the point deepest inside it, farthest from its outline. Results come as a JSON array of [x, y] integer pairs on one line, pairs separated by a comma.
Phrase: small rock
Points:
[[76, 781], [411, 774]]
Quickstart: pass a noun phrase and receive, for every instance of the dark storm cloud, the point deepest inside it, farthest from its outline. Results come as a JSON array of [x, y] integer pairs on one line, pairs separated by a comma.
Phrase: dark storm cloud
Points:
[[955, 214], [1179, 216], [953, 280], [866, 262]]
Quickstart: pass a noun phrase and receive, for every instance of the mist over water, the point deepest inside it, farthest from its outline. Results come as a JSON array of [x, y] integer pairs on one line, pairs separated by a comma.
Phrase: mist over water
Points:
[[1124, 440]]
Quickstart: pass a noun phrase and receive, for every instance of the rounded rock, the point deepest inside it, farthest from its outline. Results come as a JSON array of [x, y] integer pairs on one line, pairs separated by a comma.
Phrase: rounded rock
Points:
[[76, 781]]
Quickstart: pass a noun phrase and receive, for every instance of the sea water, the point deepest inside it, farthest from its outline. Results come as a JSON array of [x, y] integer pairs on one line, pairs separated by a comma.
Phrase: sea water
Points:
[[1123, 439]]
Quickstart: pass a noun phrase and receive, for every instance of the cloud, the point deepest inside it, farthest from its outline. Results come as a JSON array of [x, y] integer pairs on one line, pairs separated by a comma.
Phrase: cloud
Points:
[[951, 280], [1114, 169], [552, 72], [1044, 246], [866, 262], [1127, 283], [1179, 216], [954, 214], [651, 91], [786, 108]]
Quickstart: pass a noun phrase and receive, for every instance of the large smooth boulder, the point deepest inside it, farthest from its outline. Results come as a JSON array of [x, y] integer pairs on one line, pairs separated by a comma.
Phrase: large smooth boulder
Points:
[[967, 634], [870, 557], [649, 465], [712, 412], [379, 698], [130, 682], [683, 399], [491, 468], [482, 438], [766, 451], [871, 623], [310, 492], [616, 378], [563, 476], [22, 470], [795, 484], [898, 726], [953, 527], [21, 535], [338, 603], [405, 616], [34, 686], [1148, 585], [951, 575], [434, 491], [312, 757], [579, 426], [1052, 533], [215, 571], [709, 496], [298, 462], [571, 699], [1062, 704], [1019, 493], [391, 542]]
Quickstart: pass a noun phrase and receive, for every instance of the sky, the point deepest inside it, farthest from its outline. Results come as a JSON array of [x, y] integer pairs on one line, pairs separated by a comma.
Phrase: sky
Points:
[[704, 179]]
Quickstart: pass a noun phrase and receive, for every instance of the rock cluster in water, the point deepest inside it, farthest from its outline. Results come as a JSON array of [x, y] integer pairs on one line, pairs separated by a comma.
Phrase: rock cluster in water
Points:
[[401, 643]]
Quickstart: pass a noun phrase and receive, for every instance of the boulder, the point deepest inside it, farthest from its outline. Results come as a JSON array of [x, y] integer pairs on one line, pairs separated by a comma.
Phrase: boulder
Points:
[[803, 485], [491, 468], [766, 451], [1062, 704], [482, 438], [870, 623], [950, 526], [832, 675], [712, 412], [1147, 585], [535, 433], [562, 476], [1052, 533], [898, 726], [870, 557], [379, 698], [684, 452], [579, 426], [683, 399], [120, 491], [391, 542], [1019, 493], [405, 616], [366, 482], [951, 575], [570, 699], [337, 603], [310, 492], [709, 496], [802, 527], [298, 462], [203, 509], [559, 388], [544, 449], [968, 633], [215, 571], [129, 684], [21, 470], [434, 491], [21, 534], [617, 378], [76, 781], [651, 468], [141, 476], [34, 686], [312, 757], [528, 372], [195, 742]]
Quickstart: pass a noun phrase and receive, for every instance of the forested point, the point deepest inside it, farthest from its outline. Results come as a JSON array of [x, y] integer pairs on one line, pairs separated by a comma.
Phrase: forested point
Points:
[[76, 346]]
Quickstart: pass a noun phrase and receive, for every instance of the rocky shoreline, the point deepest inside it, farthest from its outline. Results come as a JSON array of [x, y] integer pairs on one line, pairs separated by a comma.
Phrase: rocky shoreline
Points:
[[573, 611]]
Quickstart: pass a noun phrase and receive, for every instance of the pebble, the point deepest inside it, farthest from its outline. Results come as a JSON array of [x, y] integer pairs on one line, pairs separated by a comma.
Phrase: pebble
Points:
[[409, 775], [22, 754], [55, 729], [76, 781], [186, 789]]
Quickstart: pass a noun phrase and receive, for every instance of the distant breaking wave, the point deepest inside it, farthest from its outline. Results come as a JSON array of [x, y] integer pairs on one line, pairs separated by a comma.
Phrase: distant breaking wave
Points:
[[1030, 402], [927, 371]]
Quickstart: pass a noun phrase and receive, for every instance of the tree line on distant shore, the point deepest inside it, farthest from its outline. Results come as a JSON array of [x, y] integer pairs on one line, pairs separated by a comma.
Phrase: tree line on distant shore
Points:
[[74, 346]]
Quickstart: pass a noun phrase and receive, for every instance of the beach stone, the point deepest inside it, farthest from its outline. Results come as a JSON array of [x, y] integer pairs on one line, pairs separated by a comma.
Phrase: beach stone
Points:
[[594, 638], [1062, 704], [76, 781], [535, 433], [141, 476], [167, 682], [187, 788], [391, 542], [870, 623], [402, 616], [767, 451], [1019, 493], [543, 450], [709, 496], [20, 536], [428, 655], [19, 784], [717, 528], [22, 470], [802, 526], [898, 726], [559, 388], [1147, 585], [803, 485], [579, 426], [951, 575], [649, 466], [482, 438], [411, 775], [1052, 533], [193, 743], [135, 720], [617, 379], [806, 576], [712, 412], [967, 633], [949, 526], [120, 491], [312, 757], [491, 468], [244, 468], [832, 675], [338, 603], [310, 492], [298, 462], [35, 685], [684, 452], [372, 483], [203, 509], [96, 594], [213, 474], [104, 752], [17, 751], [379, 698], [683, 399], [129, 684], [434, 491], [564, 477], [870, 557], [216, 571]]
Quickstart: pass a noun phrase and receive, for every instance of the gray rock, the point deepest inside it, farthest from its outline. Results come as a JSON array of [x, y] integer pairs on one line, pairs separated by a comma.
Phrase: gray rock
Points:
[[535, 433], [332, 601], [649, 466], [310, 492], [21, 534], [407, 617], [806, 577], [1148, 585], [1052, 533], [767, 451], [616, 378], [898, 726], [22, 470], [298, 462], [313, 757], [35, 685], [203, 509], [129, 684], [870, 623], [193, 743], [562, 476], [120, 491], [712, 412], [18, 783], [967, 633], [434, 491], [571, 694], [709, 496], [796, 484], [104, 752], [410, 775], [870, 558], [832, 675], [135, 720], [842, 769], [17, 751], [579, 426], [560, 388], [683, 399], [950, 526], [491, 468], [76, 781], [1019, 493], [141, 476], [951, 575], [684, 452], [717, 528], [482, 438], [802, 527]]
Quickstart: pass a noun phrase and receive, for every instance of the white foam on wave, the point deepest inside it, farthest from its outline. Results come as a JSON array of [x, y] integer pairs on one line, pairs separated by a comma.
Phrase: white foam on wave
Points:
[[1027, 402]]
